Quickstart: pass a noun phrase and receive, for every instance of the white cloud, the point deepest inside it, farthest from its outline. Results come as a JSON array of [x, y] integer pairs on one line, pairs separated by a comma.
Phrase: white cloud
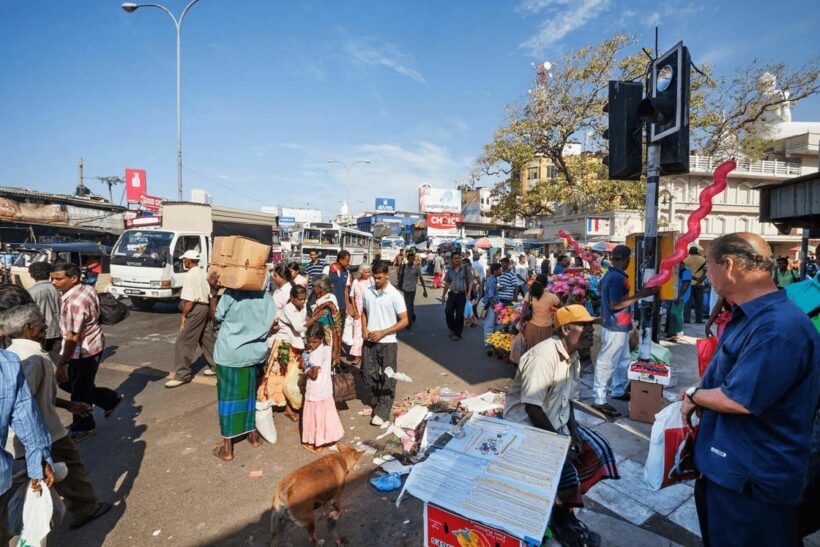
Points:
[[653, 19], [366, 52], [564, 17]]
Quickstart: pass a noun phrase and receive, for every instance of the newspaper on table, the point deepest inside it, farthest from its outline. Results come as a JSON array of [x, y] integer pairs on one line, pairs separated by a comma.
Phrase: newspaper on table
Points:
[[499, 473]]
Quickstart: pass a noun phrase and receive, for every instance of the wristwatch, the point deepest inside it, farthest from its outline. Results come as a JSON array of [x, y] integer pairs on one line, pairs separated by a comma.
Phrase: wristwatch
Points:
[[690, 394]]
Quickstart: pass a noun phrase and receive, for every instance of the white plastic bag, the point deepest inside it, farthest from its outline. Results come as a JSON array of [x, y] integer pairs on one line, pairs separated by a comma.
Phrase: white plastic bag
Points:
[[347, 333], [264, 421], [670, 449], [37, 511]]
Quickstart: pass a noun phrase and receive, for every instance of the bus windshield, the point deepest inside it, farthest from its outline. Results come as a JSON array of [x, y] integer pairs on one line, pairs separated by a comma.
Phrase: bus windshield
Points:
[[330, 237], [392, 243], [144, 248], [311, 235]]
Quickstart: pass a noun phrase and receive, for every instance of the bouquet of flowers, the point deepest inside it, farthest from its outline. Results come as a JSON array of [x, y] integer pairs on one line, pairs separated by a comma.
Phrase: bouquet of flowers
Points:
[[501, 342], [574, 288], [507, 317]]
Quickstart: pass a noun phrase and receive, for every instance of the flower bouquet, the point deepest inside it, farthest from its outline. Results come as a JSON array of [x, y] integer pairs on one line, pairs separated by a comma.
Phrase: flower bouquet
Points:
[[501, 342], [574, 288], [508, 317]]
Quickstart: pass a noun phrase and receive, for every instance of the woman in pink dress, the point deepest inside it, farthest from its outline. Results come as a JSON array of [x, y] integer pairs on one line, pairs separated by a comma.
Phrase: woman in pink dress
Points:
[[357, 289], [320, 421]]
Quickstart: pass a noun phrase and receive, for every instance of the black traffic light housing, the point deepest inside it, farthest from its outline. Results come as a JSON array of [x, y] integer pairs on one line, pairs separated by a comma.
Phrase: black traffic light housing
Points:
[[624, 133], [666, 108]]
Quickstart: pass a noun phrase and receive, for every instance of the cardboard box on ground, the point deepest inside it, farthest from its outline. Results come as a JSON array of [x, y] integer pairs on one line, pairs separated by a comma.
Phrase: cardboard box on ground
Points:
[[646, 401], [240, 262]]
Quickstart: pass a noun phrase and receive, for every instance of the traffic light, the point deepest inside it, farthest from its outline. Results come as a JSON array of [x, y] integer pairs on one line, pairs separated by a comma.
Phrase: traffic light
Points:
[[666, 108], [624, 132]]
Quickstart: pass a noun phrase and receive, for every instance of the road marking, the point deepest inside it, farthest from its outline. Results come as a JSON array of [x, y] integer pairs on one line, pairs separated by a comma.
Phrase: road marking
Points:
[[154, 373]]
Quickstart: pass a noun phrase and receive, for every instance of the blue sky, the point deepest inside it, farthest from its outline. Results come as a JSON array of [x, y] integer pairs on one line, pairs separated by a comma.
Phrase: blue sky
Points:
[[271, 90]]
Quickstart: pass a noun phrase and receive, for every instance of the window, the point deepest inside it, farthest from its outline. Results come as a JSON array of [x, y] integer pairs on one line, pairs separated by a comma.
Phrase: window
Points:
[[532, 173], [744, 194], [184, 243], [330, 237]]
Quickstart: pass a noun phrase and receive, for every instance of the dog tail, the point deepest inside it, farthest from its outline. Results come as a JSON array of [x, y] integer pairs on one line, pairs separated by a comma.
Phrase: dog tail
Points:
[[278, 516]]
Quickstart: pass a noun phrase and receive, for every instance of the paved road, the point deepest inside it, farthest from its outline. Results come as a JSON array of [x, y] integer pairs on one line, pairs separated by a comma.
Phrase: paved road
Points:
[[153, 457]]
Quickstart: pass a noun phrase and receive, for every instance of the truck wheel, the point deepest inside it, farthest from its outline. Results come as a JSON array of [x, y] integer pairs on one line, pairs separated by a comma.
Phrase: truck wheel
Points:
[[142, 304]]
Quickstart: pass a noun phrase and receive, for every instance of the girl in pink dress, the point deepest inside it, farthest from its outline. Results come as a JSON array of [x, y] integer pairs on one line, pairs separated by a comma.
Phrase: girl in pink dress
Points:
[[320, 421], [357, 299]]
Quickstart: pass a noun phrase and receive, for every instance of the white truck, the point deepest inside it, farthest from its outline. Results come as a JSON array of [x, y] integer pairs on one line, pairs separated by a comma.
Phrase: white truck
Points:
[[146, 264], [391, 247]]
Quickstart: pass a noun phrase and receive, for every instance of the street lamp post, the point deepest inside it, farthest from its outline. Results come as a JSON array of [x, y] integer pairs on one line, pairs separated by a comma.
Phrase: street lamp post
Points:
[[131, 7], [347, 167]]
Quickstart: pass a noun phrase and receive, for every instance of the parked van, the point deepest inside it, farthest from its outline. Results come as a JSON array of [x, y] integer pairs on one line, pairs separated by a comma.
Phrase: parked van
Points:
[[93, 259]]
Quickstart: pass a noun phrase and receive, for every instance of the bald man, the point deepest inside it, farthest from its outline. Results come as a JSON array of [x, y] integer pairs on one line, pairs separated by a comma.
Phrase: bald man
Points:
[[757, 401]]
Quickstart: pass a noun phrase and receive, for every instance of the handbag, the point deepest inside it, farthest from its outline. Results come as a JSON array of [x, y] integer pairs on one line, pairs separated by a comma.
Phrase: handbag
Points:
[[481, 309], [671, 456], [344, 385]]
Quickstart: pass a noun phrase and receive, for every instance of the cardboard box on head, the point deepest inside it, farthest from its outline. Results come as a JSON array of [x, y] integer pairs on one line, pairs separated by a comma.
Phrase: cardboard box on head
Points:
[[240, 262]]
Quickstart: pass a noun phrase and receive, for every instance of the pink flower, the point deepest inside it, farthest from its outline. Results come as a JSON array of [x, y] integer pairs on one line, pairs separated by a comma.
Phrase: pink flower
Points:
[[578, 292]]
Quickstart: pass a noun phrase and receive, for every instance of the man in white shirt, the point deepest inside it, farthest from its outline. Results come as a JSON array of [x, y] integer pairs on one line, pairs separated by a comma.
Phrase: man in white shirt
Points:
[[195, 327], [383, 316], [26, 327], [478, 267]]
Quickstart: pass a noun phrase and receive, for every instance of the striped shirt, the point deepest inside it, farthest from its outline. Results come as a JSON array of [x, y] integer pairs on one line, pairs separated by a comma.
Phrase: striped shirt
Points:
[[18, 409], [80, 314], [506, 285], [311, 271]]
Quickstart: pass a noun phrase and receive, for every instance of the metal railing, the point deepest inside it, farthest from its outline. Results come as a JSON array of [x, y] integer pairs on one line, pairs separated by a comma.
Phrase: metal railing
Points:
[[707, 164]]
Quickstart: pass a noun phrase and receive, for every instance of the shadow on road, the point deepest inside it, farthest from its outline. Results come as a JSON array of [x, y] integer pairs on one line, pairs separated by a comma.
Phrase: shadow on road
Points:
[[113, 459]]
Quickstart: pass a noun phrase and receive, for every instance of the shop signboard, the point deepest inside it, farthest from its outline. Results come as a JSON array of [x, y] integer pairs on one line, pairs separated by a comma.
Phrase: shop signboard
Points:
[[33, 212], [386, 205], [150, 203], [597, 226], [443, 224]]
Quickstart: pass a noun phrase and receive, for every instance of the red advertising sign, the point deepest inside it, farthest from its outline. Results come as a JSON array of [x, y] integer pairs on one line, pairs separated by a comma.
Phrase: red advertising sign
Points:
[[443, 528], [135, 185], [443, 224], [150, 203]]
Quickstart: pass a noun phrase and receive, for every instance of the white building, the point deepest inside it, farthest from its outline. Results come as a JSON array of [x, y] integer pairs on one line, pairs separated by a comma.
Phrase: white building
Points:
[[198, 195]]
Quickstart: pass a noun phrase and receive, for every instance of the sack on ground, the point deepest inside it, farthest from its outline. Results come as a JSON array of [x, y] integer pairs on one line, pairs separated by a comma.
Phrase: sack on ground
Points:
[[344, 385], [706, 348], [518, 347], [671, 456], [264, 421], [38, 509], [294, 387], [348, 337], [112, 311]]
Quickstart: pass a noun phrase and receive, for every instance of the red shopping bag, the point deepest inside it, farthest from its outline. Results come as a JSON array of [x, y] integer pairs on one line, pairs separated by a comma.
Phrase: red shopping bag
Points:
[[671, 456], [706, 348]]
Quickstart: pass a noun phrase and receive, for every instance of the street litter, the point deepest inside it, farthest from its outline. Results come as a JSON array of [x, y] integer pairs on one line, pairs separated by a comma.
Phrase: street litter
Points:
[[395, 466], [413, 418], [386, 483], [399, 376], [255, 474]]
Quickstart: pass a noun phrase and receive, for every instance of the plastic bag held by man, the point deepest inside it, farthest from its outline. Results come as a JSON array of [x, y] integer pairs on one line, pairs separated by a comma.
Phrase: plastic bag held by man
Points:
[[671, 450], [706, 348], [37, 511]]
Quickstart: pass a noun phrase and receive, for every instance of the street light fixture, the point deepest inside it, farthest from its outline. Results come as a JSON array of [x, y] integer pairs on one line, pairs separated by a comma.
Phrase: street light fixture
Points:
[[347, 167], [131, 7]]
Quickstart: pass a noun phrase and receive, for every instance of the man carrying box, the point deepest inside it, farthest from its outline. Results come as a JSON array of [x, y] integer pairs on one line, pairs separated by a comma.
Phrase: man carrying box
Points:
[[541, 396]]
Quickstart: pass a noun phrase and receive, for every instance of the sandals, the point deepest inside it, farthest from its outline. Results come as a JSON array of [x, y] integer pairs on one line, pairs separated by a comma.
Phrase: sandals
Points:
[[607, 410], [102, 508], [310, 448]]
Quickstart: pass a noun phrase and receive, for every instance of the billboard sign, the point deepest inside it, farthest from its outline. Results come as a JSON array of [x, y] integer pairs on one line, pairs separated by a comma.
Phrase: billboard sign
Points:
[[150, 203], [135, 185], [287, 221], [443, 224], [439, 200], [597, 226], [386, 205]]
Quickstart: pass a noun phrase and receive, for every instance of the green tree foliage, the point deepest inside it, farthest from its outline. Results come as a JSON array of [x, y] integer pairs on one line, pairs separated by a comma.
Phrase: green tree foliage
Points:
[[566, 106]]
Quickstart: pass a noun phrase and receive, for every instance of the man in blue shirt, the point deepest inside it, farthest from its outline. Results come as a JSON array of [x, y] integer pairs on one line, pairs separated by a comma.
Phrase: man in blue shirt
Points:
[[563, 264], [614, 356], [490, 299], [757, 401]]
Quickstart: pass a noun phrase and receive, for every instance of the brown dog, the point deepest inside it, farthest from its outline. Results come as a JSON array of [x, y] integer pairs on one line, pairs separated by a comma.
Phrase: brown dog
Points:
[[310, 487]]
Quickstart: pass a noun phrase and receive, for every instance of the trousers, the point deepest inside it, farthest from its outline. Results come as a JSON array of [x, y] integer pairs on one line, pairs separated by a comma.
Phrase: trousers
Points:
[[612, 365], [410, 304], [82, 378], [198, 331], [489, 322], [695, 301], [375, 358], [76, 491], [454, 312], [731, 519]]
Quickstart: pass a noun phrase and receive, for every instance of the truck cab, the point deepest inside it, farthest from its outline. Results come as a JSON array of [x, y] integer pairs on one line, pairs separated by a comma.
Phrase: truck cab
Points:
[[146, 264]]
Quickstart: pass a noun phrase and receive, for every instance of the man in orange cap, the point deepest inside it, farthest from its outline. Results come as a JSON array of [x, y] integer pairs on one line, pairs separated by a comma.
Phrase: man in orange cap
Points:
[[541, 396]]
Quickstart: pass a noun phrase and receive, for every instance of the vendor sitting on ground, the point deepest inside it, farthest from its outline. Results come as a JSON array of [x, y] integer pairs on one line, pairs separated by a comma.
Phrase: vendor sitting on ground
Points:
[[541, 396]]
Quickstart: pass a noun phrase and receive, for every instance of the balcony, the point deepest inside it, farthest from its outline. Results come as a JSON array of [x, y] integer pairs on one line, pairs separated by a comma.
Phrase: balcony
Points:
[[763, 168]]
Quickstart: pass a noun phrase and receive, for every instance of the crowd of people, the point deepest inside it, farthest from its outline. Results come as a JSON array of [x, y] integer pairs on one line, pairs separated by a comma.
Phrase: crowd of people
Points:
[[281, 345]]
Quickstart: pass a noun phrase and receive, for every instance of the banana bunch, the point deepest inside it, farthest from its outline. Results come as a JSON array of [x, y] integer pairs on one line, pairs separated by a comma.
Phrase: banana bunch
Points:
[[500, 340], [470, 538]]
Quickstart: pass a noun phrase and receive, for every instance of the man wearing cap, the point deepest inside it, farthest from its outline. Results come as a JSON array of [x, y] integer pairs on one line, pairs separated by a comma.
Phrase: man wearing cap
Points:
[[195, 327], [541, 396], [614, 356]]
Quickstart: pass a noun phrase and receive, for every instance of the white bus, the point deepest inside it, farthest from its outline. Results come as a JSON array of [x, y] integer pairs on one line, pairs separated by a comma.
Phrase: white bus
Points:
[[391, 247], [328, 239]]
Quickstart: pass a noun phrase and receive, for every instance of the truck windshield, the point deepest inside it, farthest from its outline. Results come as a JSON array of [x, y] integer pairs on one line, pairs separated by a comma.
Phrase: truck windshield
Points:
[[143, 248]]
